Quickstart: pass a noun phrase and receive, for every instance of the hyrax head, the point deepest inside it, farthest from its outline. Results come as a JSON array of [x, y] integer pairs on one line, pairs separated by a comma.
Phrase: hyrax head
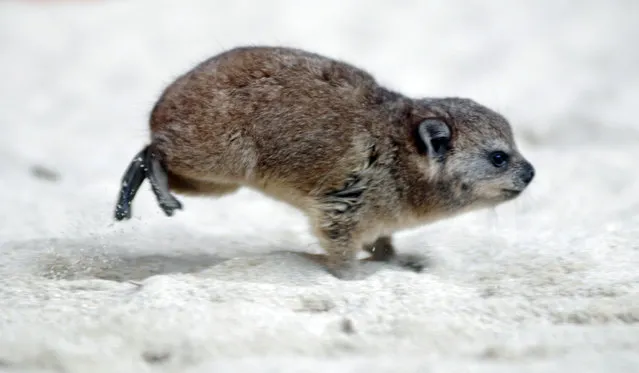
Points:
[[469, 153]]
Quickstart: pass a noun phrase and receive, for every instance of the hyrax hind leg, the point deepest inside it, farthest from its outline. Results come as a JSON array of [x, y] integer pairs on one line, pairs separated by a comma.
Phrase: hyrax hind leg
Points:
[[195, 187], [146, 164]]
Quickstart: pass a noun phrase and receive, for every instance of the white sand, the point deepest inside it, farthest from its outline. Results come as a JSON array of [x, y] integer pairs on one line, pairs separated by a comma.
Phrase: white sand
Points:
[[548, 283]]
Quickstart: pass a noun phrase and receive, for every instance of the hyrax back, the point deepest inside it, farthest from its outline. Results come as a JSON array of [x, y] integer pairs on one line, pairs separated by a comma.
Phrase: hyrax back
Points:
[[269, 118], [360, 160]]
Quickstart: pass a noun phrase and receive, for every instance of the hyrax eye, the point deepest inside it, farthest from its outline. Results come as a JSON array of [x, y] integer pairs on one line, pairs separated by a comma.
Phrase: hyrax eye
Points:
[[498, 158]]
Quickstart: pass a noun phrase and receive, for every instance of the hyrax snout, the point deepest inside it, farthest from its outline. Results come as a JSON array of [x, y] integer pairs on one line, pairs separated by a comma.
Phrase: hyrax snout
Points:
[[360, 160]]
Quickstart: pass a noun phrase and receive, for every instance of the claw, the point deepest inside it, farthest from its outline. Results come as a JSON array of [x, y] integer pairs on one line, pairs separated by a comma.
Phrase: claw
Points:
[[145, 165]]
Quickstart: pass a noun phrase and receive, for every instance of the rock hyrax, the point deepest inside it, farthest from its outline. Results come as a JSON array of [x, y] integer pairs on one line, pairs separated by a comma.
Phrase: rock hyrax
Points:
[[360, 160]]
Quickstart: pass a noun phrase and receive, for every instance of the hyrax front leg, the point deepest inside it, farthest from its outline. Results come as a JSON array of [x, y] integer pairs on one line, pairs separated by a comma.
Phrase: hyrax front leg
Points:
[[338, 226], [336, 238]]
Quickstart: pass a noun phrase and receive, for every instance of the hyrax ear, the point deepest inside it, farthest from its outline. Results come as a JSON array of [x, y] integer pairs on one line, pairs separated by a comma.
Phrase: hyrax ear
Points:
[[434, 136]]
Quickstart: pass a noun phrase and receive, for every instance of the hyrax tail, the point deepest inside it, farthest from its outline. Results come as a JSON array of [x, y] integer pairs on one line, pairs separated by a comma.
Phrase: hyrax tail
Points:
[[145, 165]]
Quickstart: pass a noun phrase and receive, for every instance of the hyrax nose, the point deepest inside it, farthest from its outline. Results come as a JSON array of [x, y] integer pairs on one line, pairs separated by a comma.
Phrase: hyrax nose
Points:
[[528, 173]]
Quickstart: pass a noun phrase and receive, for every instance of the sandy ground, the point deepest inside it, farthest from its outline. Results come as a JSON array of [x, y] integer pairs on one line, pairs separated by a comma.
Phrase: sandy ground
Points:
[[547, 283]]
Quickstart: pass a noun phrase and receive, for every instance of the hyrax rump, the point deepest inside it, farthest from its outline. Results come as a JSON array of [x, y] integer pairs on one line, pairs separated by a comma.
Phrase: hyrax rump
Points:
[[360, 160]]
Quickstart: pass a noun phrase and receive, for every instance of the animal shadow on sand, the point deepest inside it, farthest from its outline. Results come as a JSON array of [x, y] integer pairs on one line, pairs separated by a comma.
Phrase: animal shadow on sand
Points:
[[121, 258], [110, 257]]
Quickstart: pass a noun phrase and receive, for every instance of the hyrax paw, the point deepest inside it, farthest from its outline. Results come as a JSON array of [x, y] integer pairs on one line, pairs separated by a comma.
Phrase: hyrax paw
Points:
[[413, 262]]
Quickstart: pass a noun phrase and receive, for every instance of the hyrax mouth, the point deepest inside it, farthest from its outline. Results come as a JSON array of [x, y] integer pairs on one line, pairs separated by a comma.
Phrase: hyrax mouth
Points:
[[511, 193]]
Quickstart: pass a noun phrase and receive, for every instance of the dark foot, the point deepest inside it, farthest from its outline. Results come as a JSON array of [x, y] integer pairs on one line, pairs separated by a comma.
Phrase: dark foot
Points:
[[145, 165], [160, 185], [131, 181], [381, 250]]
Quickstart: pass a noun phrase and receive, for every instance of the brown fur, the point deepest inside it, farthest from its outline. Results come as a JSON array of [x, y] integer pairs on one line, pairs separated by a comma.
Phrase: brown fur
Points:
[[323, 136]]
